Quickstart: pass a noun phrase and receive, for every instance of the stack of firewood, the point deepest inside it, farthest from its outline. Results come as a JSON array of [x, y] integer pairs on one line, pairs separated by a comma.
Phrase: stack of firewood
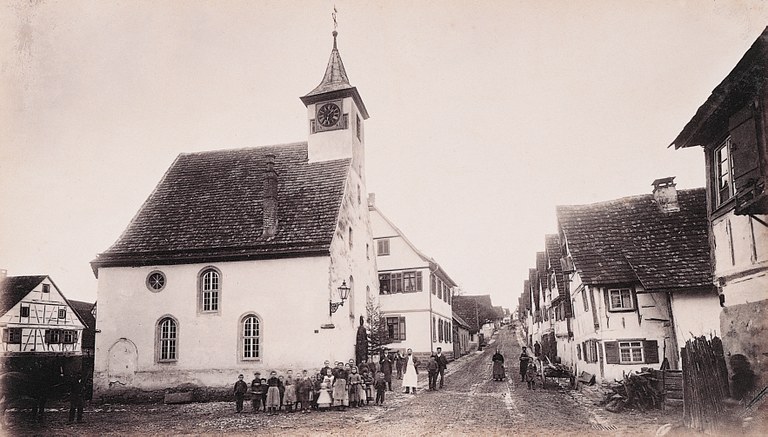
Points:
[[638, 390]]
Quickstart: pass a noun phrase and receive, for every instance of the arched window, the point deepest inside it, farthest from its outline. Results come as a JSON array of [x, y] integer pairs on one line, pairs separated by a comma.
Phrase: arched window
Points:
[[210, 290], [351, 297], [250, 337], [167, 339]]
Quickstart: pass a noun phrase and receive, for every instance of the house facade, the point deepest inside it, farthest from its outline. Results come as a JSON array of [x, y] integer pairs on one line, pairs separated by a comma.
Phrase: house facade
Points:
[[235, 261], [731, 129], [37, 320], [415, 293]]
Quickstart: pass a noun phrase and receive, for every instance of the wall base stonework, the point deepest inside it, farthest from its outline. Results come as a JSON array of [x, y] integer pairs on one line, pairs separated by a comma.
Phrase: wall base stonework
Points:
[[745, 331]]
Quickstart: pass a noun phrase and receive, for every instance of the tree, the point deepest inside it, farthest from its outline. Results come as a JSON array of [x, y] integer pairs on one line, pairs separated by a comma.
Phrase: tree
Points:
[[378, 335]]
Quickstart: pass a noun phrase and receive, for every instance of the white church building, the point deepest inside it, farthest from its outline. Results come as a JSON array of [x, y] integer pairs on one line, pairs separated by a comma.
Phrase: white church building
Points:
[[234, 263]]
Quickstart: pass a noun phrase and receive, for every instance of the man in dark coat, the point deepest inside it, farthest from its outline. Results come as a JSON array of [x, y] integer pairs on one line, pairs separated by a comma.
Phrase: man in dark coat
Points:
[[442, 364], [399, 361], [524, 360], [386, 368], [76, 400]]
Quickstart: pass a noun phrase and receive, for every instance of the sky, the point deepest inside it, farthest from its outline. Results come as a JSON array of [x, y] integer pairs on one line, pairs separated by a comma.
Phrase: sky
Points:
[[484, 115]]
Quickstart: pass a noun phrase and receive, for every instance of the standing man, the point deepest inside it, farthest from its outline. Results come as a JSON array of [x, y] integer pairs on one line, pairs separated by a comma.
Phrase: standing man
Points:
[[399, 358], [76, 398], [385, 366], [524, 359], [410, 376], [240, 389], [442, 364]]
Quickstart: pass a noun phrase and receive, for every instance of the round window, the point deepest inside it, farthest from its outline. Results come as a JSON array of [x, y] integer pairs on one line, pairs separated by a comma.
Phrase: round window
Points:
[[156, 281]]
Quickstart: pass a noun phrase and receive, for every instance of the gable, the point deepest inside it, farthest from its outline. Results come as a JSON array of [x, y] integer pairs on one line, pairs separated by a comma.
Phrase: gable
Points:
[[14, 288], [210, 206], [44, 306]]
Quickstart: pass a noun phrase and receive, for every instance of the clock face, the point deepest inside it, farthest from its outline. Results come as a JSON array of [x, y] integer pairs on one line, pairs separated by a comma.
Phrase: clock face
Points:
[[328, 114]]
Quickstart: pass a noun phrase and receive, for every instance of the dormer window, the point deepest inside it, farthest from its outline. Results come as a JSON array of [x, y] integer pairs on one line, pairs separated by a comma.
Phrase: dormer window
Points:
[[46, 288]]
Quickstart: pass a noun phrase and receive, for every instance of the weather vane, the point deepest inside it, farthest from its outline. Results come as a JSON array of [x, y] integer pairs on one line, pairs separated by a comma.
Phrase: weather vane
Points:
[[335, 24]]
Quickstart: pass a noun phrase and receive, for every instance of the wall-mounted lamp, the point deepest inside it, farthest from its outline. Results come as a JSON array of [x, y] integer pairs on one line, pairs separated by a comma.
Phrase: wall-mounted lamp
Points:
[[343, 293]]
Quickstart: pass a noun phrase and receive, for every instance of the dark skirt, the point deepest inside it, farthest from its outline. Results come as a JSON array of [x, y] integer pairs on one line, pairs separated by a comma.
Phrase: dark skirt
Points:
[[498, 370]]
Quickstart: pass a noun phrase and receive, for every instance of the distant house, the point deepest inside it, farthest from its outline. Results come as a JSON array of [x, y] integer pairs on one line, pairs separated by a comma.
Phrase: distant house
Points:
[[87, 313], [415, 293], [477, 311], [640, 283], [461, 336], [732, 128], [37, 320]]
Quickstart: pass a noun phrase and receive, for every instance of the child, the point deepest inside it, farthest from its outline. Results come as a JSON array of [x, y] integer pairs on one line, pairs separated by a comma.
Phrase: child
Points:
[[281, 389], [368, 384], [264, 389], [432, 368], [381, 387], [256, 392], [273, 393], [316, 388], [289, 395], [240, 389], [354, 382], [324, 397], [304, 391], [530, 375]]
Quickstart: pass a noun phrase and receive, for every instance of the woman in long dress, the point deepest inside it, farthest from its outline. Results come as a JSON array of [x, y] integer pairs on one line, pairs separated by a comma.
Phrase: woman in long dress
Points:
[[410, 377], [340, 393], [498, 366]]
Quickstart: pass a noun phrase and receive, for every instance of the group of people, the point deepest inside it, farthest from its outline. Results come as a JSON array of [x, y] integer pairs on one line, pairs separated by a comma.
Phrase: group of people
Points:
[[528, 369], [339, 387]]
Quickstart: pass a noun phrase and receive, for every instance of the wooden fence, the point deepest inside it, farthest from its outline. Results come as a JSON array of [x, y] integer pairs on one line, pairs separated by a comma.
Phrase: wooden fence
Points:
[[705, 385]]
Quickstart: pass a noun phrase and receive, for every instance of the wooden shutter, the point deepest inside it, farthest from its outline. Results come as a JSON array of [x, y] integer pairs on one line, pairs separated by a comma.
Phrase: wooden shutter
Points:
[[48, 336], [578, 351], [611, 352], [743, 148], [595, 318], [5, 335], [418, 281], [651, 351], [402, 328]]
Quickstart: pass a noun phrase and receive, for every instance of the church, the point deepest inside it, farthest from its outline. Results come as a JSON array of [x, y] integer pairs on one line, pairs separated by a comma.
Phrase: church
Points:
[[244, 260]]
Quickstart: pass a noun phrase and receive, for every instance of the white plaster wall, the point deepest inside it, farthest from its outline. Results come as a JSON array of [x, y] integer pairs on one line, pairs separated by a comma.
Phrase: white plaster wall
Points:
[[340, 143], [417, 333], [696, 313], [289, 295], [748, 239]]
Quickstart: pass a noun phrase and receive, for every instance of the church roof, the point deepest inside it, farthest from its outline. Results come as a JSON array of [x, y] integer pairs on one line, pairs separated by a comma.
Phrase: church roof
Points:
[[552, 244], [209, 206], [14, 288], [631, 240]]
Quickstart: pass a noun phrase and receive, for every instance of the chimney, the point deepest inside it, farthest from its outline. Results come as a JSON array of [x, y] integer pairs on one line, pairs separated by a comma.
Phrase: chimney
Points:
[[371, 200], [665, 194], [270, 199]]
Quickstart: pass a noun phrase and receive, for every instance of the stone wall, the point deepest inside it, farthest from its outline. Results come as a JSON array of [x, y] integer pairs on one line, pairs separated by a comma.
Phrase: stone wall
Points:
[[745, 331]]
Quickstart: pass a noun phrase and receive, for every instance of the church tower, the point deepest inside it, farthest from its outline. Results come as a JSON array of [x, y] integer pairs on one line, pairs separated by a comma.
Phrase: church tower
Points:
[[336, 114]]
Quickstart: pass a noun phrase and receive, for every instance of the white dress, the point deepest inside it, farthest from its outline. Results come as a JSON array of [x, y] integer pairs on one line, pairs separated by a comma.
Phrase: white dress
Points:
[[410, 378]]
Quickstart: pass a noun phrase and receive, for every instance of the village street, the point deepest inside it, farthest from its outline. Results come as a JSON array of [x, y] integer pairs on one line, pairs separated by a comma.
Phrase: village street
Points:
[[470, 403]]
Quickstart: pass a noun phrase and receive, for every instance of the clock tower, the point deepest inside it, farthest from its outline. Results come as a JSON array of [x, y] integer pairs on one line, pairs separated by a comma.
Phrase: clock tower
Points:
[[336, 114]]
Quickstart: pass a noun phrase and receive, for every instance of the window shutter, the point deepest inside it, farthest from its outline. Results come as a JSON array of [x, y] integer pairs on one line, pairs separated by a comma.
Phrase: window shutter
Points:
[[418, 281], [402, 328], [47, 336], [578, 351], [5, 335], [611, 352], [584, 348], [744, 148], [651, 351]]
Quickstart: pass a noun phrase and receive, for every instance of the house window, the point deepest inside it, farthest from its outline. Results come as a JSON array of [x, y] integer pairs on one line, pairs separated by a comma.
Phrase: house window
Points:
[[396, 283], [585, 298], [384, 283], [440, 330], [382, 247], [69, 337], [432, 284], [434, 329], [411, 281], [12, 335], [440, 289], [621, 299], [46, 288], [723, 174], [167, 337], [52, 336], [210, 288], [396, 328], [590, 351], [155, 281], [25, 311], [62, 313], [631, 352], [250, 337]]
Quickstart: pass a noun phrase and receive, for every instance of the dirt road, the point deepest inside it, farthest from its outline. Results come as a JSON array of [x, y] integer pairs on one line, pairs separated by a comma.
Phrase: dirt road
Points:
[[470, 403]]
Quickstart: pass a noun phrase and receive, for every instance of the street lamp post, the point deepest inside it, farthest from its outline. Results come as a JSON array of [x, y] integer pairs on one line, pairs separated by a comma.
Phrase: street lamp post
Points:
[[343, 294]]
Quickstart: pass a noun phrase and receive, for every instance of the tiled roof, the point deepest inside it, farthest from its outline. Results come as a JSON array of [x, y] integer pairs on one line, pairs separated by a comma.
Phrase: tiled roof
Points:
[[541, 267], [631, 239], [533, 280], [552, 244], [209, 206], [526, 297], [460, 321], [14, 288], [335, 77], [464, 307]]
